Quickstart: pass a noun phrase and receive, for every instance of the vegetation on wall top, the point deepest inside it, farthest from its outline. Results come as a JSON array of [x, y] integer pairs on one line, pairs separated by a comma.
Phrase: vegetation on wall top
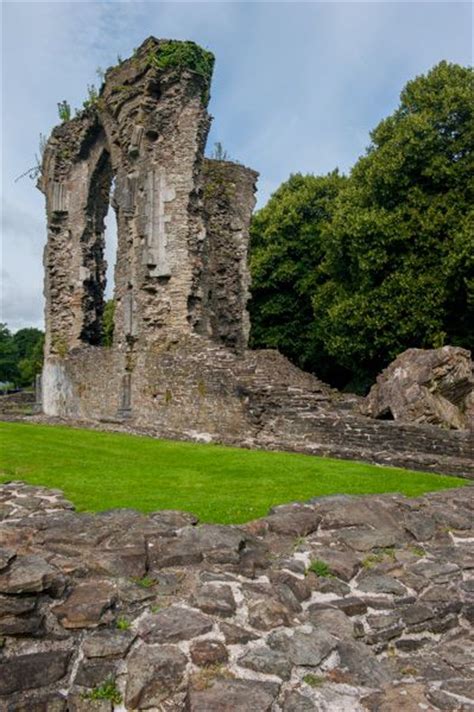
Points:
[[174, 54]]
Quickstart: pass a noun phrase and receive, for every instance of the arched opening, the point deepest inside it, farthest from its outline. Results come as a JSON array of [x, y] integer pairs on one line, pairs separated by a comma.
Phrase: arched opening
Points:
[[110, 254], [386, 414], [93, 247]]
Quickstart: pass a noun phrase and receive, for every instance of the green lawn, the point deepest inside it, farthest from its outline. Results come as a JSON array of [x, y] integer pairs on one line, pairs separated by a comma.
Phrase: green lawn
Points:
[[99, 471]]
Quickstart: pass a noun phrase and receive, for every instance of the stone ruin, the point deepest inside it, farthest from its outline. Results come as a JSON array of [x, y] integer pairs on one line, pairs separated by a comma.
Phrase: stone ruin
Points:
[[179, 365]]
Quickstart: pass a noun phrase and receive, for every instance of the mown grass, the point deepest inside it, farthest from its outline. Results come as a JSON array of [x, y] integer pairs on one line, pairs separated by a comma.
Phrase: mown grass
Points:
[[99, 471]]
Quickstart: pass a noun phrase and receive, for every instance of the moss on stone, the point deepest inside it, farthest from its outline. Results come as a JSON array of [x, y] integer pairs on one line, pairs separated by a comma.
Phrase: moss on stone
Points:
[[174, 54], [181, 56]]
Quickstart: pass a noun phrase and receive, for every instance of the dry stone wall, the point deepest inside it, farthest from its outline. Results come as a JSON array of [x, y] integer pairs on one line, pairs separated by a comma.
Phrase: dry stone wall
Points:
[[352, 604]]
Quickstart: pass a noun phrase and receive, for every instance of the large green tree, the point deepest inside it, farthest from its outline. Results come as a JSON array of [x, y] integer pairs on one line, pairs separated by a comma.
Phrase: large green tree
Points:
[[21, 355], [286, 250], [396, 256], [8, 356]]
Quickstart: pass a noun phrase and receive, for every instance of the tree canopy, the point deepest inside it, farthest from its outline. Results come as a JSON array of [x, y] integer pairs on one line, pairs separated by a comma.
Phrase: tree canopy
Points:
[[387, 261], [21, 355]]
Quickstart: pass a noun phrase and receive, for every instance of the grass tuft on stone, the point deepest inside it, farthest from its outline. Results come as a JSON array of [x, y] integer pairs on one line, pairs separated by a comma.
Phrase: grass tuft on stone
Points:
[[107, 691], [225, 485], [320, 568], [314, 680], [123, 623]]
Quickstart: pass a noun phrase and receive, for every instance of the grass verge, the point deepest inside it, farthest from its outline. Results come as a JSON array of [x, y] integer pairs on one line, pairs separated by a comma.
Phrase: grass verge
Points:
[[99, 471]]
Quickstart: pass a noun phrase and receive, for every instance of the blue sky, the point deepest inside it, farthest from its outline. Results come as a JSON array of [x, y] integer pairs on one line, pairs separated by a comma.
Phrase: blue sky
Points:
[[297, 87]]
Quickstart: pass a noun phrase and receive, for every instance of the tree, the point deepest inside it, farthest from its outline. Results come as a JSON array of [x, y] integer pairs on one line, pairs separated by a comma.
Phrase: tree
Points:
[[29, 344], [286, 249], [392, 265], [108, 323], [8, 356], [399, 250], [31, 366]]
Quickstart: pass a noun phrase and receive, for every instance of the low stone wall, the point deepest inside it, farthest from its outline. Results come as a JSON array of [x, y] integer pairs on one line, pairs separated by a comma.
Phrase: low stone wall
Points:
[[341, 603], [196, 389]]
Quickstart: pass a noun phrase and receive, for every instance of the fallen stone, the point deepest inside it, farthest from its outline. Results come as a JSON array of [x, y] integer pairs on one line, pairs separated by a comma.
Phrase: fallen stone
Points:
[[424, 386]]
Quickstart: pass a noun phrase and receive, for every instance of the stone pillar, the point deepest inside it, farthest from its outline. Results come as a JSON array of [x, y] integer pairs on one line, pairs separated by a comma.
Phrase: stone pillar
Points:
[[38, 406], [156, 122], [76, 181], [228, 191]]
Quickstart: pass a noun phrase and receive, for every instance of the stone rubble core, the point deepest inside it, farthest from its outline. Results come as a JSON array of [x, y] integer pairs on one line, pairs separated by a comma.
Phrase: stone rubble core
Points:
[[179, 364], [176, 615]]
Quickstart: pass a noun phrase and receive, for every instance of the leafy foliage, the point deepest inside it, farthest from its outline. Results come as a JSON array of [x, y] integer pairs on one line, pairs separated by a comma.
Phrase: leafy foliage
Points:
[[123, 623], [92, 97], [390, 263], [8, 356], [21, 355], [320, 568], [287, 248], [183, 55], [108, 323], [107, 691], [64, 110]]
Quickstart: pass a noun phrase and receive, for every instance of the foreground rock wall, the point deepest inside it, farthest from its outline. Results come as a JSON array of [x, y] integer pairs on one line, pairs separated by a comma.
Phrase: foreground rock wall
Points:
[[342, 603]]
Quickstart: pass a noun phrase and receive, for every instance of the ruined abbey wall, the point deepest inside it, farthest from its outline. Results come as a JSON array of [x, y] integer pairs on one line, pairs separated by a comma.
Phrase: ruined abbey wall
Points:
[[179, 364]]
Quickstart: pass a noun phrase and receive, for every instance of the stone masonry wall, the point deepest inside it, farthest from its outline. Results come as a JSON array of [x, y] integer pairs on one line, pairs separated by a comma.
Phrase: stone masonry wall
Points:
[[347, 604], [228, 203]]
